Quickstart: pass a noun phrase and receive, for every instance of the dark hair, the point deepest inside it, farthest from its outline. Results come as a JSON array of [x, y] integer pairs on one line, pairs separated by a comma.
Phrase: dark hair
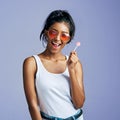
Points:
[[58, 16]]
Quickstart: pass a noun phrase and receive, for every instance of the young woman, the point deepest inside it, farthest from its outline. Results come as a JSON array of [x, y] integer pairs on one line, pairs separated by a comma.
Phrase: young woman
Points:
[[53, 82]]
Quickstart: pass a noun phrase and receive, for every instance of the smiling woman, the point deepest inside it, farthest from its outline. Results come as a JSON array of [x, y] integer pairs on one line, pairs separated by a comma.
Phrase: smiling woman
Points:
[[53, 82], [57, 36]]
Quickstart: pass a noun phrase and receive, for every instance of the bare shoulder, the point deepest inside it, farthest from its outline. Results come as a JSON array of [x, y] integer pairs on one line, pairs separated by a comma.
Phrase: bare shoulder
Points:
[[29, 62]]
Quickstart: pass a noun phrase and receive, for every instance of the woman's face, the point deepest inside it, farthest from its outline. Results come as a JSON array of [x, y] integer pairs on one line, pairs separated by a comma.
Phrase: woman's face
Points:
[[57, 36]]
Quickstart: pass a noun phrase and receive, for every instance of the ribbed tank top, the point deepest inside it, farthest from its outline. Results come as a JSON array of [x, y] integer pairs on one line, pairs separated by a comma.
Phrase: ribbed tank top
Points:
[[53, 92]]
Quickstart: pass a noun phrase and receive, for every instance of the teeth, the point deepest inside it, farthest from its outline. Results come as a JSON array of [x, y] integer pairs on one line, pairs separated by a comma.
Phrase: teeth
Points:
[[56, 44]]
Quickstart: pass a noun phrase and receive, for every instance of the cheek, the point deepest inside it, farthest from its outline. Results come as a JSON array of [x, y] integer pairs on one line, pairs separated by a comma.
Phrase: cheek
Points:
[[66, 42], [63, 45]]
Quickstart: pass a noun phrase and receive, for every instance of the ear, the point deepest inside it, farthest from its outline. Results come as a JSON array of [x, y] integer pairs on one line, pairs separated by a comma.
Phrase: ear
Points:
[[46, 33]]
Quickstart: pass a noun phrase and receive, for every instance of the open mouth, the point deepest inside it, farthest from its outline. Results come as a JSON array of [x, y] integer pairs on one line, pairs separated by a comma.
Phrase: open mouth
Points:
[[55, 44]]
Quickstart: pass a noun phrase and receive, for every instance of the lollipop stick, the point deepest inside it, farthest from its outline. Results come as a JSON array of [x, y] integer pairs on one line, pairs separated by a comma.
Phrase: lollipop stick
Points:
[[75, 48], [77, 45]]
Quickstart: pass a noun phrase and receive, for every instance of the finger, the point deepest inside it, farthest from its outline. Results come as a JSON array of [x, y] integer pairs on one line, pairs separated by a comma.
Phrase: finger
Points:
[[73, 52]]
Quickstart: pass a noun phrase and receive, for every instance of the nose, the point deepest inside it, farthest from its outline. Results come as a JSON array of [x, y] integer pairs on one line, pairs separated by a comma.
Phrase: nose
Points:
[[58, 37]]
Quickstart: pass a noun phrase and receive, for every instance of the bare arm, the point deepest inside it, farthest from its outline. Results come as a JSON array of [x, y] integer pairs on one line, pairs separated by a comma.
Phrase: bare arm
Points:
[[29, 70], [76, 80]]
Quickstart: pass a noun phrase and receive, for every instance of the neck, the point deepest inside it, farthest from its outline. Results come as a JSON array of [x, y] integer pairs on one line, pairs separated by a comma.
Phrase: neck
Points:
[[53, 56]]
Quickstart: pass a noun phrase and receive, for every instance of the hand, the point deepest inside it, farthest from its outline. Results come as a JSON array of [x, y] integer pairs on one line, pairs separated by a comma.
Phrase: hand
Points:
[[73, 60]]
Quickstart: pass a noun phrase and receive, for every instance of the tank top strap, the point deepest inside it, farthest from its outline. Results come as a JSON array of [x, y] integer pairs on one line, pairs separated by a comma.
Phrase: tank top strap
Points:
[[36, 59], [38, 62]]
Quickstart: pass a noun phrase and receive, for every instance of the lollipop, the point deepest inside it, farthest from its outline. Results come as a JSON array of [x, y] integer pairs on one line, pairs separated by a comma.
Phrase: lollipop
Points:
[[77, 45]]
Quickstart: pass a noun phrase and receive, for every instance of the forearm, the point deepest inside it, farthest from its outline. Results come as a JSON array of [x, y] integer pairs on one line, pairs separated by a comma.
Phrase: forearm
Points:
[[77, 90], [35, 113]]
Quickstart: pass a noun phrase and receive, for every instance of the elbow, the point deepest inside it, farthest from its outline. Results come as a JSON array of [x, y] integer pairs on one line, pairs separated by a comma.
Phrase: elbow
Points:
[[79, 103], [32, 106], [78, 106]]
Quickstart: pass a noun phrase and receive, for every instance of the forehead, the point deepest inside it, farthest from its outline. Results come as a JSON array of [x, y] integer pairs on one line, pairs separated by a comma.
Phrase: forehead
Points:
[[60, 26]]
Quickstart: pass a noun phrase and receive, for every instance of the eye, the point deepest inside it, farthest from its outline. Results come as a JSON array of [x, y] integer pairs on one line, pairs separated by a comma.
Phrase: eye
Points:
[[65, 37], [52, 33]]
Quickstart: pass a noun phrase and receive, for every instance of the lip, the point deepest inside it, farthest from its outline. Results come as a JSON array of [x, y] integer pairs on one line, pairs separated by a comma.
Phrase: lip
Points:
[[55, 45]]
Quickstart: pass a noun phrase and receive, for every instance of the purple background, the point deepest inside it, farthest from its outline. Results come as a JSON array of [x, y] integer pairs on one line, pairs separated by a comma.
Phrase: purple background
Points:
[[98, 30]]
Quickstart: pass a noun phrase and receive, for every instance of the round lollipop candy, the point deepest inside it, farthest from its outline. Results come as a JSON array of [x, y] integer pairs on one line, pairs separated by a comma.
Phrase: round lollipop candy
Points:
[[77, 45]]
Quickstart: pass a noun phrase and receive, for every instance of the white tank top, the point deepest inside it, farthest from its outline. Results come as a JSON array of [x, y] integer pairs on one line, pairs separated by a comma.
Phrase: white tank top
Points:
[[53, 92]]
